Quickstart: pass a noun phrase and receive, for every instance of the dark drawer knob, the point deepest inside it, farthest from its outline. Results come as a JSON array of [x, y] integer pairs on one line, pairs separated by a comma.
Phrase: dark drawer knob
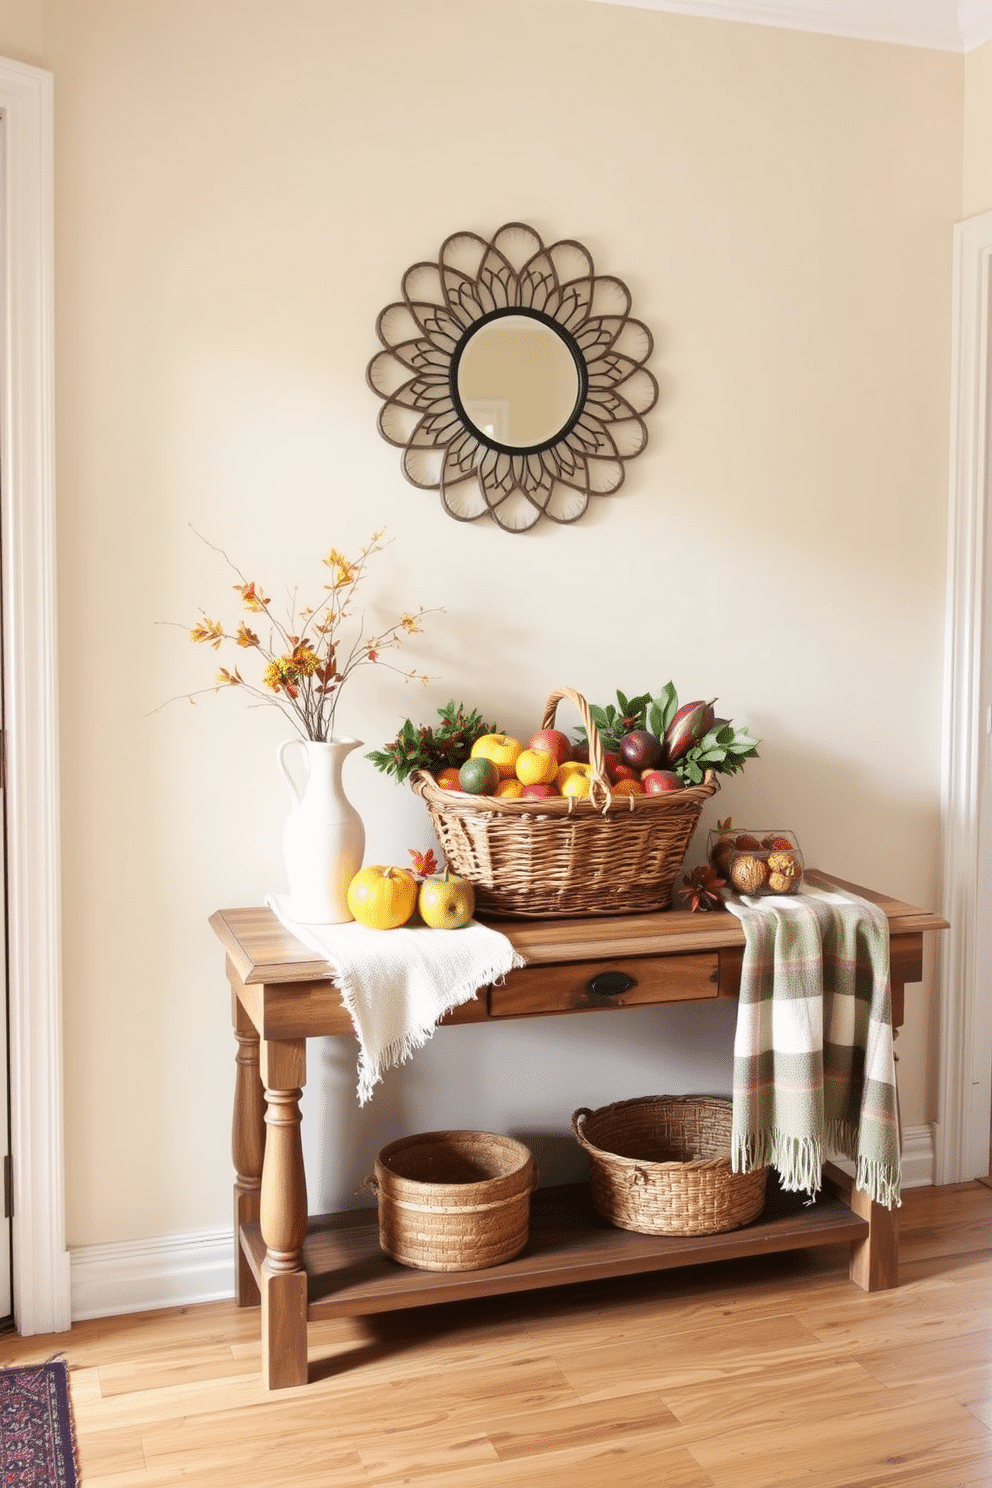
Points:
[[610, 983]]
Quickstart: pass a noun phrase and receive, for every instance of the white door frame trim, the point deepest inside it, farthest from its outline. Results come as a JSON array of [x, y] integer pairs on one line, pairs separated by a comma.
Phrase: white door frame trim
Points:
[[27, 583], [962, 1133]]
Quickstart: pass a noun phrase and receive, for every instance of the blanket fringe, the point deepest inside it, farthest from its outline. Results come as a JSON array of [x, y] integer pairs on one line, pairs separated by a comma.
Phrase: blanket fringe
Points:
[[370, 1071], [797, 1160]]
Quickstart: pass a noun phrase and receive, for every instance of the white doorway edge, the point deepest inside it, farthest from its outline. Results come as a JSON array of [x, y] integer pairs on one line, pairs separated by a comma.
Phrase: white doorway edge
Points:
[[965, 1045], [41, 1293]]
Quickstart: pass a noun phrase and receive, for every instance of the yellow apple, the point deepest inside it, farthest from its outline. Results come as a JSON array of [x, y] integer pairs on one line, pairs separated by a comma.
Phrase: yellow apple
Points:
[[536, 766], [382, 897], [446, 903], [502, 749]]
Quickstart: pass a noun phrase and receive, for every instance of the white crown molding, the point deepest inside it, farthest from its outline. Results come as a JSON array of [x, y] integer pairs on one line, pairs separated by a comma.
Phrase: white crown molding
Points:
[[942, 25]]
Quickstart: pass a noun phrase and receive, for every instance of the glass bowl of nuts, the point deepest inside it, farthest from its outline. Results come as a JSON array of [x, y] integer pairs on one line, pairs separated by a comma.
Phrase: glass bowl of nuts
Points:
[[757, 862]]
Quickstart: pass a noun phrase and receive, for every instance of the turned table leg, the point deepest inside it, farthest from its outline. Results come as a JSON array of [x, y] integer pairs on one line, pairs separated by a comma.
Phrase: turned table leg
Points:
[[247, 1148], [283, 1217]]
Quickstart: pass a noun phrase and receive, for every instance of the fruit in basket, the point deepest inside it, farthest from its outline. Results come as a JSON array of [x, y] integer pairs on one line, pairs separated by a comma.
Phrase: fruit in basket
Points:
[[627, 788], [382, 897], [571, 767], [509, 790], [577, 785], [659, 782], [478, 776], [446, 903], [554, 741], [536, 766], [502, 749], [540, 789], [641, 749], [448, 779], [690, 724], [620, 771]]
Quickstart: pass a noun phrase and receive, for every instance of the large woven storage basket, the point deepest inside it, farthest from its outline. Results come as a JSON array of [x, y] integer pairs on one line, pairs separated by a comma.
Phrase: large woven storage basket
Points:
[[454, 1200], [660, 1165], [602, 855]]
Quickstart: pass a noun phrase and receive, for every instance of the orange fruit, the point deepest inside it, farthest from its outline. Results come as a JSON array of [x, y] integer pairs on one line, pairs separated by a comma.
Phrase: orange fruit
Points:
[[628, 788], [510, 788], [382, 897], [502, 749], [478, 776], [536, 766], [448, 779]]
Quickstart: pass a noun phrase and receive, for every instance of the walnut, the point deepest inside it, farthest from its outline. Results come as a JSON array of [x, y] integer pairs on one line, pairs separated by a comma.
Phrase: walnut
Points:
[[748, 874]]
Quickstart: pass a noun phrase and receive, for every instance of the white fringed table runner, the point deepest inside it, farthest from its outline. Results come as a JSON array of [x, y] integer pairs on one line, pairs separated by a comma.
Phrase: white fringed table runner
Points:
[[814, 1066], [396, 984]]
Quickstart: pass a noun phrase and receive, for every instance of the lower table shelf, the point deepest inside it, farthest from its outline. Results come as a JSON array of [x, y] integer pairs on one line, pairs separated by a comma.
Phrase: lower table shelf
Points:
[[347, 1273]]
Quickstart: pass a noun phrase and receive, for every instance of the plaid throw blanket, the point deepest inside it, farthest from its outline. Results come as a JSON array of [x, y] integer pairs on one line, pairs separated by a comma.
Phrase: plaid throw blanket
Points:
[[813, 1057]]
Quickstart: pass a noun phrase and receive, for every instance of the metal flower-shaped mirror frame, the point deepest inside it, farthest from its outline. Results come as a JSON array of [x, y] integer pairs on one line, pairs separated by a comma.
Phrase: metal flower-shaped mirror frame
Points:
[[474, 283]]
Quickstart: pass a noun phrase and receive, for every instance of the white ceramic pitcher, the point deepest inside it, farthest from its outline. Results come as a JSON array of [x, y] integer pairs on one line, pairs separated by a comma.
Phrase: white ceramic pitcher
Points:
[[324, 839]]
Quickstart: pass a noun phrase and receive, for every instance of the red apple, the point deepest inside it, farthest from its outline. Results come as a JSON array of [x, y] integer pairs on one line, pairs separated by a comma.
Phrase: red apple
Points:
[[623, 772], [554, 742], [541, 789], [611, 761], [657, 782]]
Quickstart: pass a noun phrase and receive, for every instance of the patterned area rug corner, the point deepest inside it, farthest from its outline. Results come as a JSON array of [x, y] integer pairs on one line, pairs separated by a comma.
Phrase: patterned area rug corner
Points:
[[37, 1445]]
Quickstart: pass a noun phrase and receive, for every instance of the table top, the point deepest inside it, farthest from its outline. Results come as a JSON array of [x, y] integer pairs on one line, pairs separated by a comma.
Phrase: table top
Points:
[[262, 950]]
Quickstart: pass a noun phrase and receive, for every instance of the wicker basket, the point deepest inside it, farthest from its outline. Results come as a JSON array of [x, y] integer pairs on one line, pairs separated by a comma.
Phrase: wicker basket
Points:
[[602, 855], [660, 1165], [454, 1200]]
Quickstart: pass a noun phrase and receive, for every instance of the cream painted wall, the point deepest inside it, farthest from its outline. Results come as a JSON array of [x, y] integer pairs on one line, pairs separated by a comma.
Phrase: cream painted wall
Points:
[[977, 186], [239, 188]]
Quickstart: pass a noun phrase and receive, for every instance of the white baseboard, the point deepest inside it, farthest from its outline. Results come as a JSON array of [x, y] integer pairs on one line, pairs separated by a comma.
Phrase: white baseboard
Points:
[[181, 1270], [139, 1275]]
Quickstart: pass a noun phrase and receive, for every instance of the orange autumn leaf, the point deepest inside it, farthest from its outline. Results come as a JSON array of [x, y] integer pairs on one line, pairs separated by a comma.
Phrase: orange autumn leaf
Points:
[[424, 864]]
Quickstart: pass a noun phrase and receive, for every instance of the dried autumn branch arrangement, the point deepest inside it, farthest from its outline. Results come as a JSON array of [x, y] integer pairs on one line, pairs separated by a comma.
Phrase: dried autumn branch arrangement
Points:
[[305, 659]]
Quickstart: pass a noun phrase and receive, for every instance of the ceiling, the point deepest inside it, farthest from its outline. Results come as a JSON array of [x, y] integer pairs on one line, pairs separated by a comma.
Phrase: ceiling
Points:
[[945, 25]]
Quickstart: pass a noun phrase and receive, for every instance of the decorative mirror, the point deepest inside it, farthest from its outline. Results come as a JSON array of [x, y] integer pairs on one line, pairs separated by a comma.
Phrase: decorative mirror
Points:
[[513, 378]]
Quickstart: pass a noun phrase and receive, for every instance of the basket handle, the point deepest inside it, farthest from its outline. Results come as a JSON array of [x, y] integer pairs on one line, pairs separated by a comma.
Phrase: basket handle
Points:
[[578, 1122], [597, 759]]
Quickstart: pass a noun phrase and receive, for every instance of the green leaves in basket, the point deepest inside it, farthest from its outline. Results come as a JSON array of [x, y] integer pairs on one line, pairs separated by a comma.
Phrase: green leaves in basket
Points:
[[724, 749], [432, 747]]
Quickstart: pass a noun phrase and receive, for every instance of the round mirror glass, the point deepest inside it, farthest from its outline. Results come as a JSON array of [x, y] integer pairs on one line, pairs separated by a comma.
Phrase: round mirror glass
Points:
[[518, 381]]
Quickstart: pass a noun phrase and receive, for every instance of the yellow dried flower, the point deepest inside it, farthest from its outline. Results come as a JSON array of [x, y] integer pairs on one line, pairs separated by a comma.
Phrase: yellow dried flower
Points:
[[345, 572]]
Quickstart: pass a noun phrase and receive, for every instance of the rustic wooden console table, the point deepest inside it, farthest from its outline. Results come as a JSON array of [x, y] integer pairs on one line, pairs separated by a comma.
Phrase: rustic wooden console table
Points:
[[300, 1268]]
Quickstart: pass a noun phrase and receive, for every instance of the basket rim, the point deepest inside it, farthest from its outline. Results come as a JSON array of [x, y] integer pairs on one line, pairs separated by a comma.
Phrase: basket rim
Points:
[[458, 803], [681, 1165]]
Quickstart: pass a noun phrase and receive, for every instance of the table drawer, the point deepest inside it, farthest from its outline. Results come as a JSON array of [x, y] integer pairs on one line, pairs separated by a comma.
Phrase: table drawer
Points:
[[586, 985]]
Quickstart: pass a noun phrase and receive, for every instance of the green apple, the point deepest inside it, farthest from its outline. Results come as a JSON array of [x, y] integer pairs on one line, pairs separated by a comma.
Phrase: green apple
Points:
[[446, 903]]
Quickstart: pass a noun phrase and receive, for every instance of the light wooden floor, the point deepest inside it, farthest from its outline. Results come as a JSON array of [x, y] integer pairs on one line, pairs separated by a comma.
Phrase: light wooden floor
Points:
[[775, 1371]]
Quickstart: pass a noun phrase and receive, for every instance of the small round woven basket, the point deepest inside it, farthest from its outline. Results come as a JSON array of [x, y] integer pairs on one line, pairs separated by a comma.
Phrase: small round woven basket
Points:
[[660, 1165], [601, 855], [454, 1200]]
